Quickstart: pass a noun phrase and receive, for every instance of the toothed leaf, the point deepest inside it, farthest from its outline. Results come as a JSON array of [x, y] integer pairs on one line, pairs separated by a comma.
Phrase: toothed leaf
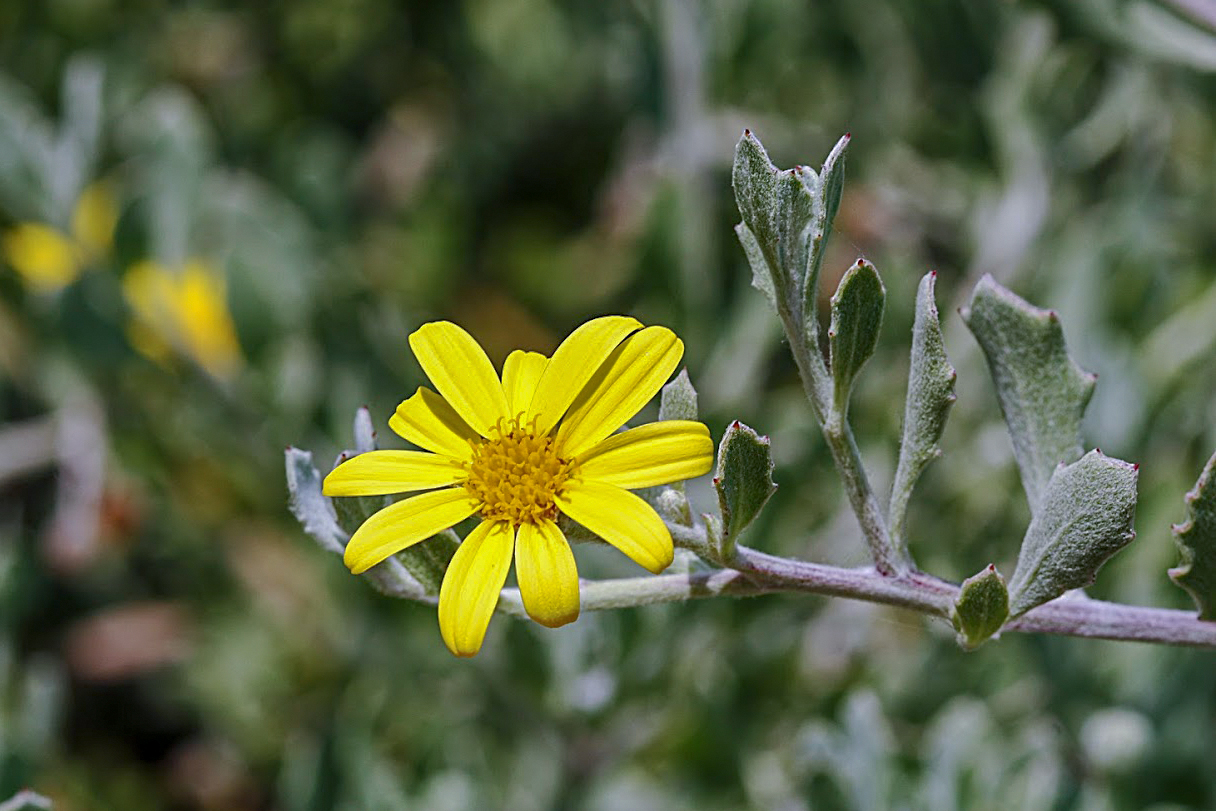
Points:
[[678, 401], [1042, 392], [744, 480], [1196, 539], [1085, 517]]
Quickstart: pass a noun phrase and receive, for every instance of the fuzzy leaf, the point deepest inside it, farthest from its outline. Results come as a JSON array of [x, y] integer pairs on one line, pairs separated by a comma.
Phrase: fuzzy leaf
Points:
[[743, 480], [365, 432], [754, 180], [981, 608], [930, 396], [762, 275], [314, 511], [1085, 517], [857, 309], [678, 400], [1042, 392], [827, 189], [831, 188], [1196, 539], [777, 208]]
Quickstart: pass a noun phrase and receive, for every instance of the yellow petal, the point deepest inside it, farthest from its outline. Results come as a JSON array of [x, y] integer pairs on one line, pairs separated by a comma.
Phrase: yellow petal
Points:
[[620, 518], [632, 375], [46, 259], [204, 324], [547, 575], [94, 219], [429, 422], [462, 373], [573, 364], [404, 524], [520, 374], [380, 473], [471, 586], [651, 454]]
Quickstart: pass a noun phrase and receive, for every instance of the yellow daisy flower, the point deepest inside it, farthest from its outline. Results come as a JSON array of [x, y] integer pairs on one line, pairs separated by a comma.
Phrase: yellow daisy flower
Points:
[[519, 450]]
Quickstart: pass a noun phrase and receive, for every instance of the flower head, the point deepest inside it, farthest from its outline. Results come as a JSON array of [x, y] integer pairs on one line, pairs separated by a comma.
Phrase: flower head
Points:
[[517, 451], [183, 311]]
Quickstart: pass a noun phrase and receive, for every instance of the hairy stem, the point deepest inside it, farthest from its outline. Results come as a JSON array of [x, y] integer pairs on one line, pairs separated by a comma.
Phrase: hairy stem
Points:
[[759, 573], [845, 455]]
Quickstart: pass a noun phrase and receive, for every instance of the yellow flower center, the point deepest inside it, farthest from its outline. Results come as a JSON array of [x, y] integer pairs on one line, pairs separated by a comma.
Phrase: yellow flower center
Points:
[[516, 475]]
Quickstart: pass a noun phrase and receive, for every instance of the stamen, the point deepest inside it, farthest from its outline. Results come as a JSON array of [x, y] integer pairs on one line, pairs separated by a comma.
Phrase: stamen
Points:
[[515, 474]]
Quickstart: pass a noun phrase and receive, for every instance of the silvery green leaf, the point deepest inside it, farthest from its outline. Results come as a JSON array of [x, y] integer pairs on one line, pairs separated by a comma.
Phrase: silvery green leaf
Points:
[[754, 180], [930, 396], [678, 400], [743, 480], [1196, 539], [1042, 392], [831, 188], [981, 608], [762, 275], [26, 800], [1085, 516], [314, 511], [365, 432], [857, 309], [827, 189], [776, 207]]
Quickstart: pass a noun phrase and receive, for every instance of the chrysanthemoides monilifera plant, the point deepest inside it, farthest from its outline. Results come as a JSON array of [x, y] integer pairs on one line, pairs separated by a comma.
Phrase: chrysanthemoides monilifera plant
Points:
[[536, 446]]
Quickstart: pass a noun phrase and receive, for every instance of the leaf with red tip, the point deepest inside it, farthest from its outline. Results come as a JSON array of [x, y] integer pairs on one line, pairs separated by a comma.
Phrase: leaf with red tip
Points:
[[743, 481]]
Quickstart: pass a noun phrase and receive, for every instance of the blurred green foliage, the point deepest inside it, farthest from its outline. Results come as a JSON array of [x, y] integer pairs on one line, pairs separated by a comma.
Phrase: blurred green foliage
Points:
[[350, 169]]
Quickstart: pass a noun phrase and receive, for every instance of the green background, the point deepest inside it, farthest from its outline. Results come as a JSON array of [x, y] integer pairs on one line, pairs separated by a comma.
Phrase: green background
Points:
[[358, 167]]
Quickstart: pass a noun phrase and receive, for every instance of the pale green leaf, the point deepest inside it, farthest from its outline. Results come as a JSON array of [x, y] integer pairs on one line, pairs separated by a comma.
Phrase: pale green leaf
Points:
[[743, 481], [930, 396], [1042, 392], [1085, 517], [857, 309], [678, 400]]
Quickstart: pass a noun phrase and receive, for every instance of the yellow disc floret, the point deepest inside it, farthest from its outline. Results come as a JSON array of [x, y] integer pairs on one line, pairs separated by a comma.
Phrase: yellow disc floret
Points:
[[516, 475]]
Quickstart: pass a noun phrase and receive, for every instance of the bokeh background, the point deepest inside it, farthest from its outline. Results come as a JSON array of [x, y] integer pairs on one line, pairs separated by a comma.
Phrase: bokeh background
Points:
[[220, 221]]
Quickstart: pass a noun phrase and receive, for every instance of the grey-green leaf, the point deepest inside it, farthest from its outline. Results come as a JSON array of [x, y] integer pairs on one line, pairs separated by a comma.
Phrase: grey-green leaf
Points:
[[930, 396], [755, 183], [777, 208], [981, 608], [1085, 516], [743, 480], [857, 309], [1196, 539], [762, 274], [827, 189], [678, 400], [1042, 392], [831, 187], [314, 511]]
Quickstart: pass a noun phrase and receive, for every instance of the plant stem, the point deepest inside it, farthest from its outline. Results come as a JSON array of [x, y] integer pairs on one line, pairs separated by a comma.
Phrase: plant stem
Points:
[[758, 573], [845, 455]]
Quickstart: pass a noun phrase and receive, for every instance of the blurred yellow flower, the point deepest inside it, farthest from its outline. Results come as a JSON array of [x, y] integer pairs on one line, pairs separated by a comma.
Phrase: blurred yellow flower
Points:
[[519, 450], [48, 259], [183, 311]]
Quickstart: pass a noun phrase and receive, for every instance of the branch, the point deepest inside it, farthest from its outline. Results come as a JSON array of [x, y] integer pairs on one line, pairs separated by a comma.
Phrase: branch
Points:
[[759, 573]]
